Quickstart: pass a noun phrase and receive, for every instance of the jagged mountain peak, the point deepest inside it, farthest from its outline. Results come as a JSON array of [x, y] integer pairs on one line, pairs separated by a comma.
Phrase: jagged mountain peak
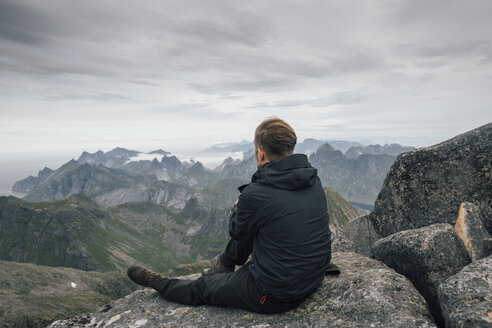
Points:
[[160, 152], [68, 165], [45, 172], [191, 205], [325, 148], [119, 151], [170, 159], [197, 167], [393, 149]]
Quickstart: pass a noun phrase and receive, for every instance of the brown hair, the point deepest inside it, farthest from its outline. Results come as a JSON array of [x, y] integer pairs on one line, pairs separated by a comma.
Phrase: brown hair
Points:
[[276, 138]]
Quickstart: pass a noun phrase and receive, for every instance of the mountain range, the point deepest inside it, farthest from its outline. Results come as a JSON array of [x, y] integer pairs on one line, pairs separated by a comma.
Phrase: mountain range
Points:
[[76, 232], [356, 179], [308, 146], [119, 176]]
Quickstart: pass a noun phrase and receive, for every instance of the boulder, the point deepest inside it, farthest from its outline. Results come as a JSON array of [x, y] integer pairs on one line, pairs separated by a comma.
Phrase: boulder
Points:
[[471, 230], [466, 297], [358, 236], [427, 185], [486, 214], [366, 294], [426, 256]]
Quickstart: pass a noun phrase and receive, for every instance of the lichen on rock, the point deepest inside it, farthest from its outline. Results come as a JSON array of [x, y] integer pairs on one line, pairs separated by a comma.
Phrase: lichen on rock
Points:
[[466, 297]]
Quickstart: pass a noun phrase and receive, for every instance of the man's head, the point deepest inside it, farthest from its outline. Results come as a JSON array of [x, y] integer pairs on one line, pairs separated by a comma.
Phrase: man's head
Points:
[[274, 139]]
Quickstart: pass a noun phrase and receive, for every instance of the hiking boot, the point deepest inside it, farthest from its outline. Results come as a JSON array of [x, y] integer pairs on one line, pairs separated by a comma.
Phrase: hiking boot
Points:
[[145, 277], [218, 268]]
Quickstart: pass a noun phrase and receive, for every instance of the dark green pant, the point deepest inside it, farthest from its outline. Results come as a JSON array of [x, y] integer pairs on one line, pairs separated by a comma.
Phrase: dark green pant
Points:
[[237, 289]]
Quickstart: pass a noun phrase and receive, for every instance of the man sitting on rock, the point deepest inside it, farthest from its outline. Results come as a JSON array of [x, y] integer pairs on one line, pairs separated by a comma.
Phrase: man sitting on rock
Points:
[[280, 219]]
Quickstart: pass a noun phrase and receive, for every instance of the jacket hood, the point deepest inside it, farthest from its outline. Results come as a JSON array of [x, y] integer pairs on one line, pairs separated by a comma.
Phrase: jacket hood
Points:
[[291, 173]]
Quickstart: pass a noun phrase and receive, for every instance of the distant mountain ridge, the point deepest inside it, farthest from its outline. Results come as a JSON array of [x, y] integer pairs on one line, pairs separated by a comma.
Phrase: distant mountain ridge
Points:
[[230, 147], [120, 175], [392, 150], [109, 179], [356, 179], [307, 146]]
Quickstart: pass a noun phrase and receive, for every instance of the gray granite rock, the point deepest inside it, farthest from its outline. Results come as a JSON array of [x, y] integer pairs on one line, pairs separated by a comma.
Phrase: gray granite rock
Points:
[[366, 294], [486, 214], [427, 185], [426, 256], [470, 229], [358, 236], [466, 297]]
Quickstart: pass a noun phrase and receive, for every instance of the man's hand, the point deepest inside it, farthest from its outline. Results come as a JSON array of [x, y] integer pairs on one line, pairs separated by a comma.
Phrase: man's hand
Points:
[[218, 268]]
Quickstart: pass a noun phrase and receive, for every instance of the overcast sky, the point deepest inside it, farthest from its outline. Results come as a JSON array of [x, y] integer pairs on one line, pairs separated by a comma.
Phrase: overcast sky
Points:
[[88, 75]]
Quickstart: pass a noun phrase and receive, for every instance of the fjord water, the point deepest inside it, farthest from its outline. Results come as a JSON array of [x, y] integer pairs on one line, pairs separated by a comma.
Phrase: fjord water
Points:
[[14, 167]]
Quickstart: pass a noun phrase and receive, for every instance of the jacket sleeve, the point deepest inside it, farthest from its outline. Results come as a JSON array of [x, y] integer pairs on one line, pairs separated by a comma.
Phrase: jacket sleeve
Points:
[[244, 220]]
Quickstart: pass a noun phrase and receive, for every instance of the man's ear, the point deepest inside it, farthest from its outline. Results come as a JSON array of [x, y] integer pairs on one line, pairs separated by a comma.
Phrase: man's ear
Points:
[[261, 155]]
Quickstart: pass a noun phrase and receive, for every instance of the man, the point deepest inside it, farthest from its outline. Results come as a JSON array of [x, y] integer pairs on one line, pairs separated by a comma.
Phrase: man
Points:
[[281, 220]]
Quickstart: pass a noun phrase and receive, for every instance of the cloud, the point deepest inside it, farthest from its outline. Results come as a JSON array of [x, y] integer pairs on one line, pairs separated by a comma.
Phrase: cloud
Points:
[[239, 45], [338, 98], [480, 50], [99, 96], [144, 82], [267, 84], [225, 65], [22, 23]]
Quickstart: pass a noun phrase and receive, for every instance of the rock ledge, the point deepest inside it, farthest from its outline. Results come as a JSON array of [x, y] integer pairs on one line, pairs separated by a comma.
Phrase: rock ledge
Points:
[[366, 294]]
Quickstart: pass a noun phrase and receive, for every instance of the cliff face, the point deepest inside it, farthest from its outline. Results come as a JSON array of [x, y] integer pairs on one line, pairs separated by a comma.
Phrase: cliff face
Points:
[[75, 232], [356, 179], [341, 212], [428, 185], [366, 294]]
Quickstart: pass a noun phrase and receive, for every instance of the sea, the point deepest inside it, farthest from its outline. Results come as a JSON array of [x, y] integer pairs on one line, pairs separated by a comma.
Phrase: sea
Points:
[[15, 167]]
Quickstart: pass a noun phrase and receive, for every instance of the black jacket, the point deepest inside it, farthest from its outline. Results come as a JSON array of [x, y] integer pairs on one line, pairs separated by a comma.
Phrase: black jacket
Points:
[[283, 210]]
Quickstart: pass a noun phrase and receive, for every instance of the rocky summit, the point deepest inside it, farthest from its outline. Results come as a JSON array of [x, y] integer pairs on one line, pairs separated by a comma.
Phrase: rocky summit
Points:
[[427, 185], [366, 294], [426, 256], [432, 217]]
